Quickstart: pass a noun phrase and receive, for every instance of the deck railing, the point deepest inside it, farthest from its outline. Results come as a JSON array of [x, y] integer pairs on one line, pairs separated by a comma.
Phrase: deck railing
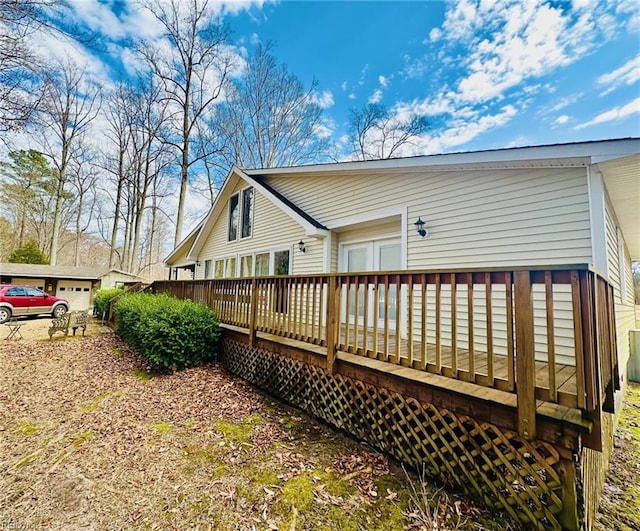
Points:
[[542, 334]]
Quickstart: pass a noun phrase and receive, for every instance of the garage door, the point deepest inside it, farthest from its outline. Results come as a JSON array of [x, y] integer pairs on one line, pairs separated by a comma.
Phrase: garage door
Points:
[[77, 292], [35, 282]]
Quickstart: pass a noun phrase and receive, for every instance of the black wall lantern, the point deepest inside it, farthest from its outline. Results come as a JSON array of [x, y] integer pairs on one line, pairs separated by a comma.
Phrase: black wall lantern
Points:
[[302, 247], [420, 228]]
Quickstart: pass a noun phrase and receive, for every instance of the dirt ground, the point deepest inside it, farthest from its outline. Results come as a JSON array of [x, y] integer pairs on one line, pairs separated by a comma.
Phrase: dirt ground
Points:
[[89, 439]]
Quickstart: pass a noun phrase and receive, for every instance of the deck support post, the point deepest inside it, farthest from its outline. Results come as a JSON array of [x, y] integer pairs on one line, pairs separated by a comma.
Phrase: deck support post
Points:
[[333, 311], [253, 311], [568, 518], [525, 356]]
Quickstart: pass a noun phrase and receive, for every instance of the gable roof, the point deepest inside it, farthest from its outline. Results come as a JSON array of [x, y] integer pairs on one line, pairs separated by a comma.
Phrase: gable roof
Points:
[[312, 226], [40, 270], [622, 184], [577, 154], [185, 245]]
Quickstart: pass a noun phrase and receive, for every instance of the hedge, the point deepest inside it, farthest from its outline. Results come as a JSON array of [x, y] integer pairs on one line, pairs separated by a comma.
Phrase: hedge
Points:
[[102, 299], [171, 333]]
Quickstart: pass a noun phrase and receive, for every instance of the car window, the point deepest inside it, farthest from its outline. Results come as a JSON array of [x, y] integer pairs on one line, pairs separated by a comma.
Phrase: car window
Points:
[[32, 292], [15, 292]]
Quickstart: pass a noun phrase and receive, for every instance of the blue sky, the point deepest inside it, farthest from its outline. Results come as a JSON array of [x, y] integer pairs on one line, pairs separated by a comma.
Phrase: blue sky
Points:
[[487, 74]]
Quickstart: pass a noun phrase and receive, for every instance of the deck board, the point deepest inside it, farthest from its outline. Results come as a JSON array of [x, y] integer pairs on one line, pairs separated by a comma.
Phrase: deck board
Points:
[[353, 341]]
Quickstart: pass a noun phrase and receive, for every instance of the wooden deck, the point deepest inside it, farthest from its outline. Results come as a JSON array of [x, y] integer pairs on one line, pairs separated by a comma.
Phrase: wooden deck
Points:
[[511, 330], [479, 368]]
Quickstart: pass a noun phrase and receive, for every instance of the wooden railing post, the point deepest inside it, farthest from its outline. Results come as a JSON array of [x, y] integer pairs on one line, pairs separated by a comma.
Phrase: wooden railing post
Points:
[[525, 355], [253, 312], [332, 320]]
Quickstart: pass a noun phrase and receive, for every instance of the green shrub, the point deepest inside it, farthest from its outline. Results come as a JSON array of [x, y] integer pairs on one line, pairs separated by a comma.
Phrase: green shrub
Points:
[[102, 299], [171, 333]]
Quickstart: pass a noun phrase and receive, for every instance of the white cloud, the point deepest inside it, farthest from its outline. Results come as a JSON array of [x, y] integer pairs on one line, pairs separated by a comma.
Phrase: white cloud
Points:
[[255, 39], [627, 74], [561, 120], [98, 16], [322, 131], [617, 113], [324, 100], [460, 133], [384, 82], [434, 35], [344, 85], [565, 102], [352, 96], [376, 97], [363, 74]]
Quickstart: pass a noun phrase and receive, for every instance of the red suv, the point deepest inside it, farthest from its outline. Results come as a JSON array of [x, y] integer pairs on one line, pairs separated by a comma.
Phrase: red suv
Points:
[[26, 300]]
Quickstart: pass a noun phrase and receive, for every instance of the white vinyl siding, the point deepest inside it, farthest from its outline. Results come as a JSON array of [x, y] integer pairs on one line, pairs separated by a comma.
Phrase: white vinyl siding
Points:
[[613, 256], [475, 218], [272, 228]]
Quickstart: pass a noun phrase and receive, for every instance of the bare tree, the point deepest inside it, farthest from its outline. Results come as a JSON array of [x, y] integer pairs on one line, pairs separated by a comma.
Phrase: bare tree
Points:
[[375, 133], [83, 177], [192, 71], [69, 106], [269, 119], [118, 113], [21, 70]]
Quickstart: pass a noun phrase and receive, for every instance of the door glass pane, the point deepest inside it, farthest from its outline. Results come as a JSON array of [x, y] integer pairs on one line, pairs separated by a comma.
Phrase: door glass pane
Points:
[[389, 260], [390, 257], [356, 261]]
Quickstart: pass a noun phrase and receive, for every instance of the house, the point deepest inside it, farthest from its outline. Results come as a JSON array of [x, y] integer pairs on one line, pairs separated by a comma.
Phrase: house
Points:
[[76, 284], [492, 288]]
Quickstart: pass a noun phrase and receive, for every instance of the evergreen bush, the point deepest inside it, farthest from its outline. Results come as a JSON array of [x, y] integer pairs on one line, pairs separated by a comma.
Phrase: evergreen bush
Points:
[[102, 299], [171, 333]]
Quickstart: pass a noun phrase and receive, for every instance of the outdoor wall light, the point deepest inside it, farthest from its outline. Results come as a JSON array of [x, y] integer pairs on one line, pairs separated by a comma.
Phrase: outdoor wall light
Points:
[[420, 228], [302, 247], [197, 263]]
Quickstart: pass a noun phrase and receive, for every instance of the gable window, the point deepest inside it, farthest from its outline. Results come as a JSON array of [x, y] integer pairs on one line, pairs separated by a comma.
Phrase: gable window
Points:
[[207, 269], [240, 215], [247, 212]]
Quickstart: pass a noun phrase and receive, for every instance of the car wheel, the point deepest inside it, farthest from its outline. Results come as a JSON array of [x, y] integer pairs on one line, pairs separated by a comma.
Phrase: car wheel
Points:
[[59, 311], [5, 314]]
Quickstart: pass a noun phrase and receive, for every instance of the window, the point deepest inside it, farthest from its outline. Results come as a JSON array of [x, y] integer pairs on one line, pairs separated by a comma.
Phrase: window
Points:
[[61, 288], [240, 215], [274, 262], [15, 292], [281, 262], [31, 292], [246, 265], [207, 269], [233, 218], [230, 267], [219, 271], [262, 264], [247, 212]]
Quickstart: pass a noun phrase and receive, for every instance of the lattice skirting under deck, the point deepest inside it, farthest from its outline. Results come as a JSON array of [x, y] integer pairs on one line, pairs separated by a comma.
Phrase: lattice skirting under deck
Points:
[[486, 462]]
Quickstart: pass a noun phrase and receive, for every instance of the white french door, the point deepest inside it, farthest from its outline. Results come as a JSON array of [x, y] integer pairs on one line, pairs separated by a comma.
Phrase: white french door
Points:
[[376, 255]]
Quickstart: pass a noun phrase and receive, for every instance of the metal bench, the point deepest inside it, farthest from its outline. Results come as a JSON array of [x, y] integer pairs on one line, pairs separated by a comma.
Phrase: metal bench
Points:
[[73, 320]]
